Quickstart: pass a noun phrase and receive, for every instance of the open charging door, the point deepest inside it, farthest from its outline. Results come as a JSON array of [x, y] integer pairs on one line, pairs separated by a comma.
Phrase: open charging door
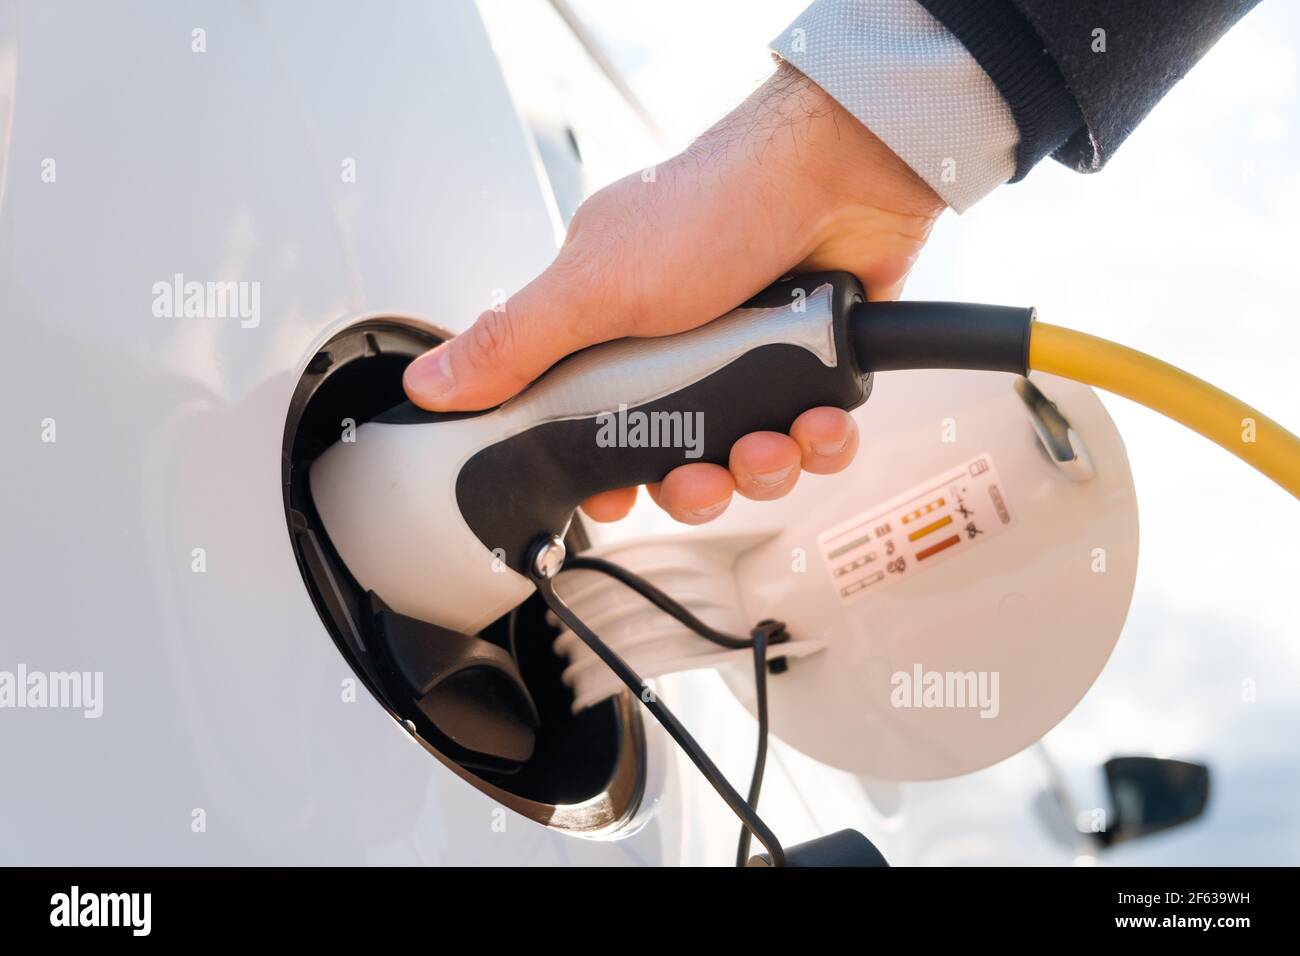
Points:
[[949, 598]]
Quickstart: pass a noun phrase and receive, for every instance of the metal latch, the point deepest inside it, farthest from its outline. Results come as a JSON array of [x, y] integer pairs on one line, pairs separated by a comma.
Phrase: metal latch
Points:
[[1063, 445]]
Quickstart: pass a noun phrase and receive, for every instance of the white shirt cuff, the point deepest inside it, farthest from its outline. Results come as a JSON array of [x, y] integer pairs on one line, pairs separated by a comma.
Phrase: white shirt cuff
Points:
[[912, 83]]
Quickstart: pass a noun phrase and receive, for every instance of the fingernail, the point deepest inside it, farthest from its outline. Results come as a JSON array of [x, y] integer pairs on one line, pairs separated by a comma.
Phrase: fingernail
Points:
[[769, 479], [710, 511], [829, 448], [429, 376]]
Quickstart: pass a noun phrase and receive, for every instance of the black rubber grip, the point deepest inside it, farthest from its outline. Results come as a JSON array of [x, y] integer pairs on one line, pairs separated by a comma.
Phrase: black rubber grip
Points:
[[903, 335], [529, 484]]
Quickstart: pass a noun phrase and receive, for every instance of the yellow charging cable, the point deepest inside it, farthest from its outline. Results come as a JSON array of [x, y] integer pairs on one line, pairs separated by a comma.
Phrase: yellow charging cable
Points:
[[1254, 438]]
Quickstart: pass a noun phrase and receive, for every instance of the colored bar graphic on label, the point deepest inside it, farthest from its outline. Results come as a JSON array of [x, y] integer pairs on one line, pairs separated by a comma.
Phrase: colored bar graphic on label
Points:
[[920, 513], [892, 540], [934, 549], [932, 526]]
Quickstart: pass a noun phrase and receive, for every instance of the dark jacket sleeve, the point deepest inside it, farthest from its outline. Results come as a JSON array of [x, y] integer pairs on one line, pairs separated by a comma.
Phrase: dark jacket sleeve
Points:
[[1079, 75]]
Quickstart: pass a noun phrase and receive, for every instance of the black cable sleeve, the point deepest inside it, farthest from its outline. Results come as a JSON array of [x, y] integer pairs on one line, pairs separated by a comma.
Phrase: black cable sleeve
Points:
[[887, 336]]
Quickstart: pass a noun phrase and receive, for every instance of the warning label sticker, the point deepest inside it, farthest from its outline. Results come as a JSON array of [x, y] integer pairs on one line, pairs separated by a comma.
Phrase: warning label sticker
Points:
[[946, 515]]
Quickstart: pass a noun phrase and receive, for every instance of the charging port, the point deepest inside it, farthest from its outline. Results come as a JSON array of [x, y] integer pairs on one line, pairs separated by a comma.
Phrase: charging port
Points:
[[493, 705]]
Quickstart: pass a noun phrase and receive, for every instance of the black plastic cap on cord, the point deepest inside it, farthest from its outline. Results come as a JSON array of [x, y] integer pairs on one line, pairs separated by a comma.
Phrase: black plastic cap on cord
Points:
[[843, 848], [888, 336]]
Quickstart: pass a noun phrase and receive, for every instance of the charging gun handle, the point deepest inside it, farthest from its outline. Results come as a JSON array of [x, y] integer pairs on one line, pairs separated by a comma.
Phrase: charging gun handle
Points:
[[629, 411]]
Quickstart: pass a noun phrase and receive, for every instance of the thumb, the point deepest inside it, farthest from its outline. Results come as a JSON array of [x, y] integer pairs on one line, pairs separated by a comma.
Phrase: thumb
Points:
[[506, 348], [630, 265]]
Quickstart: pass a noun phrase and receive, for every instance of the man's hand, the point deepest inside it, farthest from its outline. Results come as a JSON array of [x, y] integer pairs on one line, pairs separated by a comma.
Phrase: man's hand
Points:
[[787, 182]]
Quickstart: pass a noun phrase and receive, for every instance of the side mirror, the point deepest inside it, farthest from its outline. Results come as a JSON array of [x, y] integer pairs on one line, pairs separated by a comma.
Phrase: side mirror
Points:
[[1150, 794]]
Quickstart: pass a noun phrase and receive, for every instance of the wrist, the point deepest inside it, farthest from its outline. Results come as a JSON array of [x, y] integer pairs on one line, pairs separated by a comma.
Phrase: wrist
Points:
[[863, 207], [814, 166], [849, 162]]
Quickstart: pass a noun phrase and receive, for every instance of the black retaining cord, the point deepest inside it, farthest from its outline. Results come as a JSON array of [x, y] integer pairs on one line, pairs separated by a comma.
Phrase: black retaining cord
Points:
[[764, 633], [579, 562], [761, 632]]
